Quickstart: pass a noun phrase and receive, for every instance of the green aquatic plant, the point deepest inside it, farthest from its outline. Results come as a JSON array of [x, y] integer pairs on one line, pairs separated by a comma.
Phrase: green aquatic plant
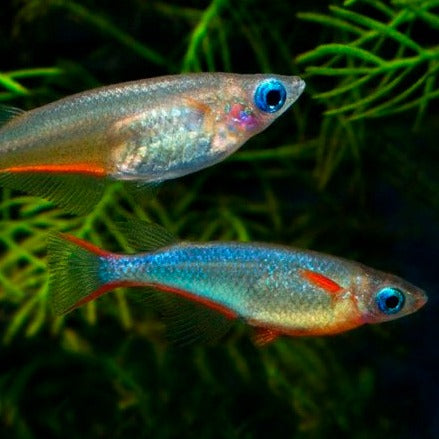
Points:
[[380, 64], [12, 87]]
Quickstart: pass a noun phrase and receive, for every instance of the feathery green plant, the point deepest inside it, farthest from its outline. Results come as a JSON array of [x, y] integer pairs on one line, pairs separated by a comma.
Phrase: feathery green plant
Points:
[[381, 67], [10, 81]]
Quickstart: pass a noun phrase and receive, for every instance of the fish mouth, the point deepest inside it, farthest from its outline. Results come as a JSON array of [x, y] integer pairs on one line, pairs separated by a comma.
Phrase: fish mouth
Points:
[[296, 87], [301, 86], [421, 299]]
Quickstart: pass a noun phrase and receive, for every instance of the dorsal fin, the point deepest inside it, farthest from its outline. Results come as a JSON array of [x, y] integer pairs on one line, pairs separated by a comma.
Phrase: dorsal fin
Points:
[[8, 113], [145, 237]]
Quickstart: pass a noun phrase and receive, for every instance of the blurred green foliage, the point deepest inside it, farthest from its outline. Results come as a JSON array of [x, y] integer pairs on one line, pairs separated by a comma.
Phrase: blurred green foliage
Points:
[[311, 180]]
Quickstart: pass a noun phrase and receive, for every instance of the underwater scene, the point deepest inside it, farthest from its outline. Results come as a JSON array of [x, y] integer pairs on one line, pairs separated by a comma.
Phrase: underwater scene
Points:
[[236, 179]]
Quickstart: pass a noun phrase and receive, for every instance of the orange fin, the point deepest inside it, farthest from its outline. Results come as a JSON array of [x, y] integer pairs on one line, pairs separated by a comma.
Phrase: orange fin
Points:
[[263, 336], [85, 245], [198, 105], [77, 193], [321, 281], [100, 292]]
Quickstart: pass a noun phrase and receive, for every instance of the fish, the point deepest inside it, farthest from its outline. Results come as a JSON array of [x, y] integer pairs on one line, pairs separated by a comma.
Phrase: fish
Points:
[[277, 290], [143, 132]]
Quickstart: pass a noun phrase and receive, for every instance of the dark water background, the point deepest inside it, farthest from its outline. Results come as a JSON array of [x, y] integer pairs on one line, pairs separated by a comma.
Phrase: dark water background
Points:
[[366, 190]]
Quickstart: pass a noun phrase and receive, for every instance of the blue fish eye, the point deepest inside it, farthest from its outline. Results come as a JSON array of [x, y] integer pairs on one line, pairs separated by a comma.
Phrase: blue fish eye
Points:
[[390, 300], [270, 95]]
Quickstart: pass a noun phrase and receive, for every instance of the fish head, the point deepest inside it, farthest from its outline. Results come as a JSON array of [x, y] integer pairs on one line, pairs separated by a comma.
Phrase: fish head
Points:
[[384, 297], [199, 119], [245, 105]]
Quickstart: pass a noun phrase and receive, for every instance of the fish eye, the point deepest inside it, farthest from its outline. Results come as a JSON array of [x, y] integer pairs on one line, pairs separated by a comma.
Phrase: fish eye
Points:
[[270, 95], [390, 300]]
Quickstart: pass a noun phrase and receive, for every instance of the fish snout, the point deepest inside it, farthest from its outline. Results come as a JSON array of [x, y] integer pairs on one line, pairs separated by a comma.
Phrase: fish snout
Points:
[[297, 85], [421, 299]]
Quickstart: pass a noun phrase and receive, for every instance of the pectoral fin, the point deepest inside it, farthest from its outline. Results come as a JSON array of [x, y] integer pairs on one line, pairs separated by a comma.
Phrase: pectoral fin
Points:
[[263, 336], [321, 281], [8, 113]]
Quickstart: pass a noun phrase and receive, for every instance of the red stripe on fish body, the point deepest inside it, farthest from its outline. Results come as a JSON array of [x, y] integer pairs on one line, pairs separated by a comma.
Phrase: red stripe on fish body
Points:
[[79, 168]]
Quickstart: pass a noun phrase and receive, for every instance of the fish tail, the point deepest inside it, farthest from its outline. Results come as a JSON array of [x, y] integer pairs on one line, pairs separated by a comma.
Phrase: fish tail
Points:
[[81, 272], [75, 268]]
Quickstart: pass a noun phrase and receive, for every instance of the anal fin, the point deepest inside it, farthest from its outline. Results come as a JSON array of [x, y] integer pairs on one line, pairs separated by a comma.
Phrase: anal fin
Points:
[[187, 322], [77, 193]]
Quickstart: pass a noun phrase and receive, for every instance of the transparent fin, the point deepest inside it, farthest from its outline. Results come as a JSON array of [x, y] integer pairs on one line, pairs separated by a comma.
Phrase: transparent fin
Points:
[[8, 113], [144, 236], [74, 272], [187, 322], [77, 193], [141, 189]]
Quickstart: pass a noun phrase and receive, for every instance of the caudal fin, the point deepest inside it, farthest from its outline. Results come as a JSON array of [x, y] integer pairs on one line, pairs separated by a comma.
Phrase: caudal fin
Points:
[[74, 272]]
